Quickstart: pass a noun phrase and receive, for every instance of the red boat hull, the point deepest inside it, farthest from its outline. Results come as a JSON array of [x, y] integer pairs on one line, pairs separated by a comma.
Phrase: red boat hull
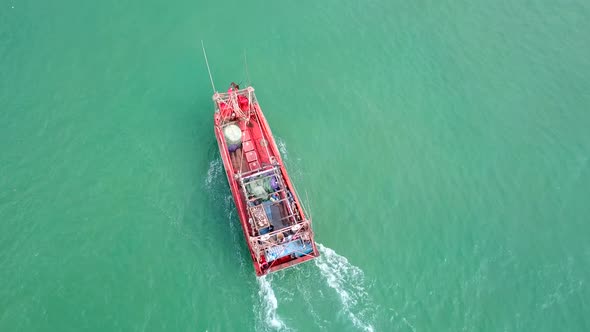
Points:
[[258, 148]]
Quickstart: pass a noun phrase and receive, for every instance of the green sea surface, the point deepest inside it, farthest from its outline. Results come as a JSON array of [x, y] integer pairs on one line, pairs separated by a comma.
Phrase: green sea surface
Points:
[[442, 147]]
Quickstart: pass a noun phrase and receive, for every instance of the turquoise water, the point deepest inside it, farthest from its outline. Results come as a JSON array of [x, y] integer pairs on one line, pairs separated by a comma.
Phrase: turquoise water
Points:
[[442, 149]]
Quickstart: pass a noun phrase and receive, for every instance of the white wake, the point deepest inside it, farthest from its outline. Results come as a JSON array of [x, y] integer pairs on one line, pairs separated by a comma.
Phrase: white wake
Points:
[[340, 275], [268, 305], [348, 282], [213, 173]]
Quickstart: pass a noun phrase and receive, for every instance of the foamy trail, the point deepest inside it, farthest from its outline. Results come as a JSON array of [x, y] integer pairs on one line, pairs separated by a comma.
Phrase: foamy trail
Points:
[[267, 311], [348, 281], [308, 297], [282, 148], [215, 169]]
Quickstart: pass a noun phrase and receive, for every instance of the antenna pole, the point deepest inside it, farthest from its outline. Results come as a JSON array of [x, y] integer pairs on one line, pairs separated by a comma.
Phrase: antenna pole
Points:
[[208, 69], [247, 72]]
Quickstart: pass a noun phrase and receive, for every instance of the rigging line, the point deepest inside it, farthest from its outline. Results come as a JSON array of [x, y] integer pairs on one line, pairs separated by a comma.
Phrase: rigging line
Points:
[[267, 142], [208, 69], [249, 100], [308, 212], [241, 159], [247, 72]]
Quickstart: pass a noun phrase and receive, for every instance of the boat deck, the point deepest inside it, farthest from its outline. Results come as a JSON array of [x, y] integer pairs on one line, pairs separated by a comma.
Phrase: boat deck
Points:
[[254, 151], [251, 157]]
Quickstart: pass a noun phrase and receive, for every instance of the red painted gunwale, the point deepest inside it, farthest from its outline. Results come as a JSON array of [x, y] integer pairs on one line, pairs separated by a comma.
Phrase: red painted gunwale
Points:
[[257, 130]]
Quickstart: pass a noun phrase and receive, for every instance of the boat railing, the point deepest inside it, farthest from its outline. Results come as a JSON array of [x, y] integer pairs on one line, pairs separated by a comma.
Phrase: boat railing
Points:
[[269, 240], [293, 214], [255, 176], [244, 92], [232, 98], [247, 177], [253, 199], [226, 96]]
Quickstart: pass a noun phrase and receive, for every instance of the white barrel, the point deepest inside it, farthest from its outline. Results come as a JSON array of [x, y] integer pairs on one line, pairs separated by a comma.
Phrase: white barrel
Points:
[[233, 136]]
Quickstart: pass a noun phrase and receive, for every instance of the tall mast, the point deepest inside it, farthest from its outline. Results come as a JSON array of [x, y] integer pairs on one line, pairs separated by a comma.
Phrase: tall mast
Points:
[[208, 69]]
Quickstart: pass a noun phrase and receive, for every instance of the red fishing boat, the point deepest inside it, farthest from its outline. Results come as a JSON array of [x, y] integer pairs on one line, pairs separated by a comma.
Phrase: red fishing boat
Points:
[[276, 228]]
